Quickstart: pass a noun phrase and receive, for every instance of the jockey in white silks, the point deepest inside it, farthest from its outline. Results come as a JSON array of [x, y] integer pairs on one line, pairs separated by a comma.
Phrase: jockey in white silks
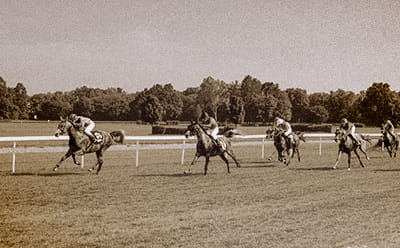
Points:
[[210, 124], [350, 130], [285, 127], [389, 128], [83, 123]]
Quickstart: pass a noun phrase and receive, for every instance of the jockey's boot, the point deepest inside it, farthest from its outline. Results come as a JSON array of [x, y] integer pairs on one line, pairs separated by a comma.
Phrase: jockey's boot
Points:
[[92, 138], [217, 144], [356, 141]]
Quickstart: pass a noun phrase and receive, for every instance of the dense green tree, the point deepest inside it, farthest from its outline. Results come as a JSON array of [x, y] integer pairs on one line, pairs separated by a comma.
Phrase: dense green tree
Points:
[[6, 105], [191, 110], [252, 95], [340, 105], [278, 102], [300, 103], [378, 104], [212, 94], [236, 107], [317, 114], [153, 111]]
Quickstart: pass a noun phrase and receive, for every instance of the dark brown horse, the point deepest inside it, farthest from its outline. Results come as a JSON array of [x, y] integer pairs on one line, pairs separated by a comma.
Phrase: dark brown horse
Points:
[[208, 148], [284, 146], [391, 143], [347, 145], [79, 143]]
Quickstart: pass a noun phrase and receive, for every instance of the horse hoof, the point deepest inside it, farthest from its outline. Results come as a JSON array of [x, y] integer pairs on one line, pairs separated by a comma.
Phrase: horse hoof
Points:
[[55, 169], [90, 170], [187, 172], [348, 169]]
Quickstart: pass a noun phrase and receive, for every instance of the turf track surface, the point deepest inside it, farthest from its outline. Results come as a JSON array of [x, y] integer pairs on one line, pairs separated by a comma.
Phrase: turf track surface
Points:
[[263, 204]]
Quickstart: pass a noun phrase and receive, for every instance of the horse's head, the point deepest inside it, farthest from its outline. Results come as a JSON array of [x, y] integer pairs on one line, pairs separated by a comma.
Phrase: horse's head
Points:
[[192, 129], [339, 135], [271, 132], [63, 127]]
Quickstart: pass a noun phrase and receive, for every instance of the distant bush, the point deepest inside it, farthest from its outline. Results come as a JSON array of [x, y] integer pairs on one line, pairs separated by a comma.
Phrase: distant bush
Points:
[[359, 124], [173, 122], [303, 127], [167, 130]]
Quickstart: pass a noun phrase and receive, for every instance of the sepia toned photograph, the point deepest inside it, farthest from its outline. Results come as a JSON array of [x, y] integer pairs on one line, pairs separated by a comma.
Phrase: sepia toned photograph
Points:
[[199, 123]]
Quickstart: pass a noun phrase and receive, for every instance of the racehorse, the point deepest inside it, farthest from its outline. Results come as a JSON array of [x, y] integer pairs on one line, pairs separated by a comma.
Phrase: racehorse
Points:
[[208, 148], [391, 144], [347, 145], [79, 143], [283, 147]]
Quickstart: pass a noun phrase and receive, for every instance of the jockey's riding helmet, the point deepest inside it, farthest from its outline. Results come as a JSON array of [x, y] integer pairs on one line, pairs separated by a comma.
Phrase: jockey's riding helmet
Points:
[[204, 116], [72, 117], [344, 121], [278, 120]]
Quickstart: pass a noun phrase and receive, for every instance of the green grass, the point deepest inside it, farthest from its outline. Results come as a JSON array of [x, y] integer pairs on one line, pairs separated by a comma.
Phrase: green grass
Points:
[[262, 204]]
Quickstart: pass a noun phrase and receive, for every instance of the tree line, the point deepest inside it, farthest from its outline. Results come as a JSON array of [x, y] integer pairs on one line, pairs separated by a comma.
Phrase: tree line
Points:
[[249, 100]]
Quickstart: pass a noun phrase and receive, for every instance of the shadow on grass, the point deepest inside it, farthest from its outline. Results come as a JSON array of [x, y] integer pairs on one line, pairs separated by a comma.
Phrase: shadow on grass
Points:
[[313, 169], [387, 170], [46, 174], [258, 166], [171, 175]]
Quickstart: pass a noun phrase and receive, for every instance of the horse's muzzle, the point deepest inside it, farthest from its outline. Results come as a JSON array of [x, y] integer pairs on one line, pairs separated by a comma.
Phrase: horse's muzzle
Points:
[[57, 133]]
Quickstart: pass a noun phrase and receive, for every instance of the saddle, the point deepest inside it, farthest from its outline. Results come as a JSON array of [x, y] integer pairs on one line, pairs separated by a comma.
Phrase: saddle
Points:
[[98, 136]]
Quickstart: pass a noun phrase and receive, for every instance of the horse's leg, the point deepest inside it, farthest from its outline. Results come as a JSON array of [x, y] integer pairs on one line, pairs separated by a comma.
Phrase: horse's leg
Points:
[[75, 162], [230, 153], [337, 159], [69, 153], [287, 161], [224, 157], [348, 160], [100, 160], [298, 154], [359, 159], [363, 149], [206, 165], [196, 157]]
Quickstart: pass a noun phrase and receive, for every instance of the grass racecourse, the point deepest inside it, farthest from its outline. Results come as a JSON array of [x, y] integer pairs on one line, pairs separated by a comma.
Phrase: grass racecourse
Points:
[[262, 204]]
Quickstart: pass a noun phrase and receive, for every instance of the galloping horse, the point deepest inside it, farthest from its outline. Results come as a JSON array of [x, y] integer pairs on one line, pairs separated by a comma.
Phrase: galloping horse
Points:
[[347, 145], [207, 148], [79, 143], [282, 145], [391, 144]]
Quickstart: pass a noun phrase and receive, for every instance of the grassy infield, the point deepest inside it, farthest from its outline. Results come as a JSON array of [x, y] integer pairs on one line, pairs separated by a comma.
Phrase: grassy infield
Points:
[[262, 204]]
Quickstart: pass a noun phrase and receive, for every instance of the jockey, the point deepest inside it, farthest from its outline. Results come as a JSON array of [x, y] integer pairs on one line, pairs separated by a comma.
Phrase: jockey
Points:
[[285, 127], [211, 125], [389, 128], [350, 130], [83, 123]]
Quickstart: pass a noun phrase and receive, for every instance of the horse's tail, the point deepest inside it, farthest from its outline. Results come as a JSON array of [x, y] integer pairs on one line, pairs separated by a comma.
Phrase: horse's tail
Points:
[[300, 135], [118, 136], [230, 132], [366, 138]]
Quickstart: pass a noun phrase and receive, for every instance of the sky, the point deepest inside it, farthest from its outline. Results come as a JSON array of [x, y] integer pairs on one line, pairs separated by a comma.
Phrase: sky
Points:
[[317, 45]]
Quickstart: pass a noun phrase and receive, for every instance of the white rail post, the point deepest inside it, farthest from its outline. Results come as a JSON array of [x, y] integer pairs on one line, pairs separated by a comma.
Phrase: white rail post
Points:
[[320, 146], [83, 161], [262, 148], [13, 157], [137, 153], [183, 152]]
